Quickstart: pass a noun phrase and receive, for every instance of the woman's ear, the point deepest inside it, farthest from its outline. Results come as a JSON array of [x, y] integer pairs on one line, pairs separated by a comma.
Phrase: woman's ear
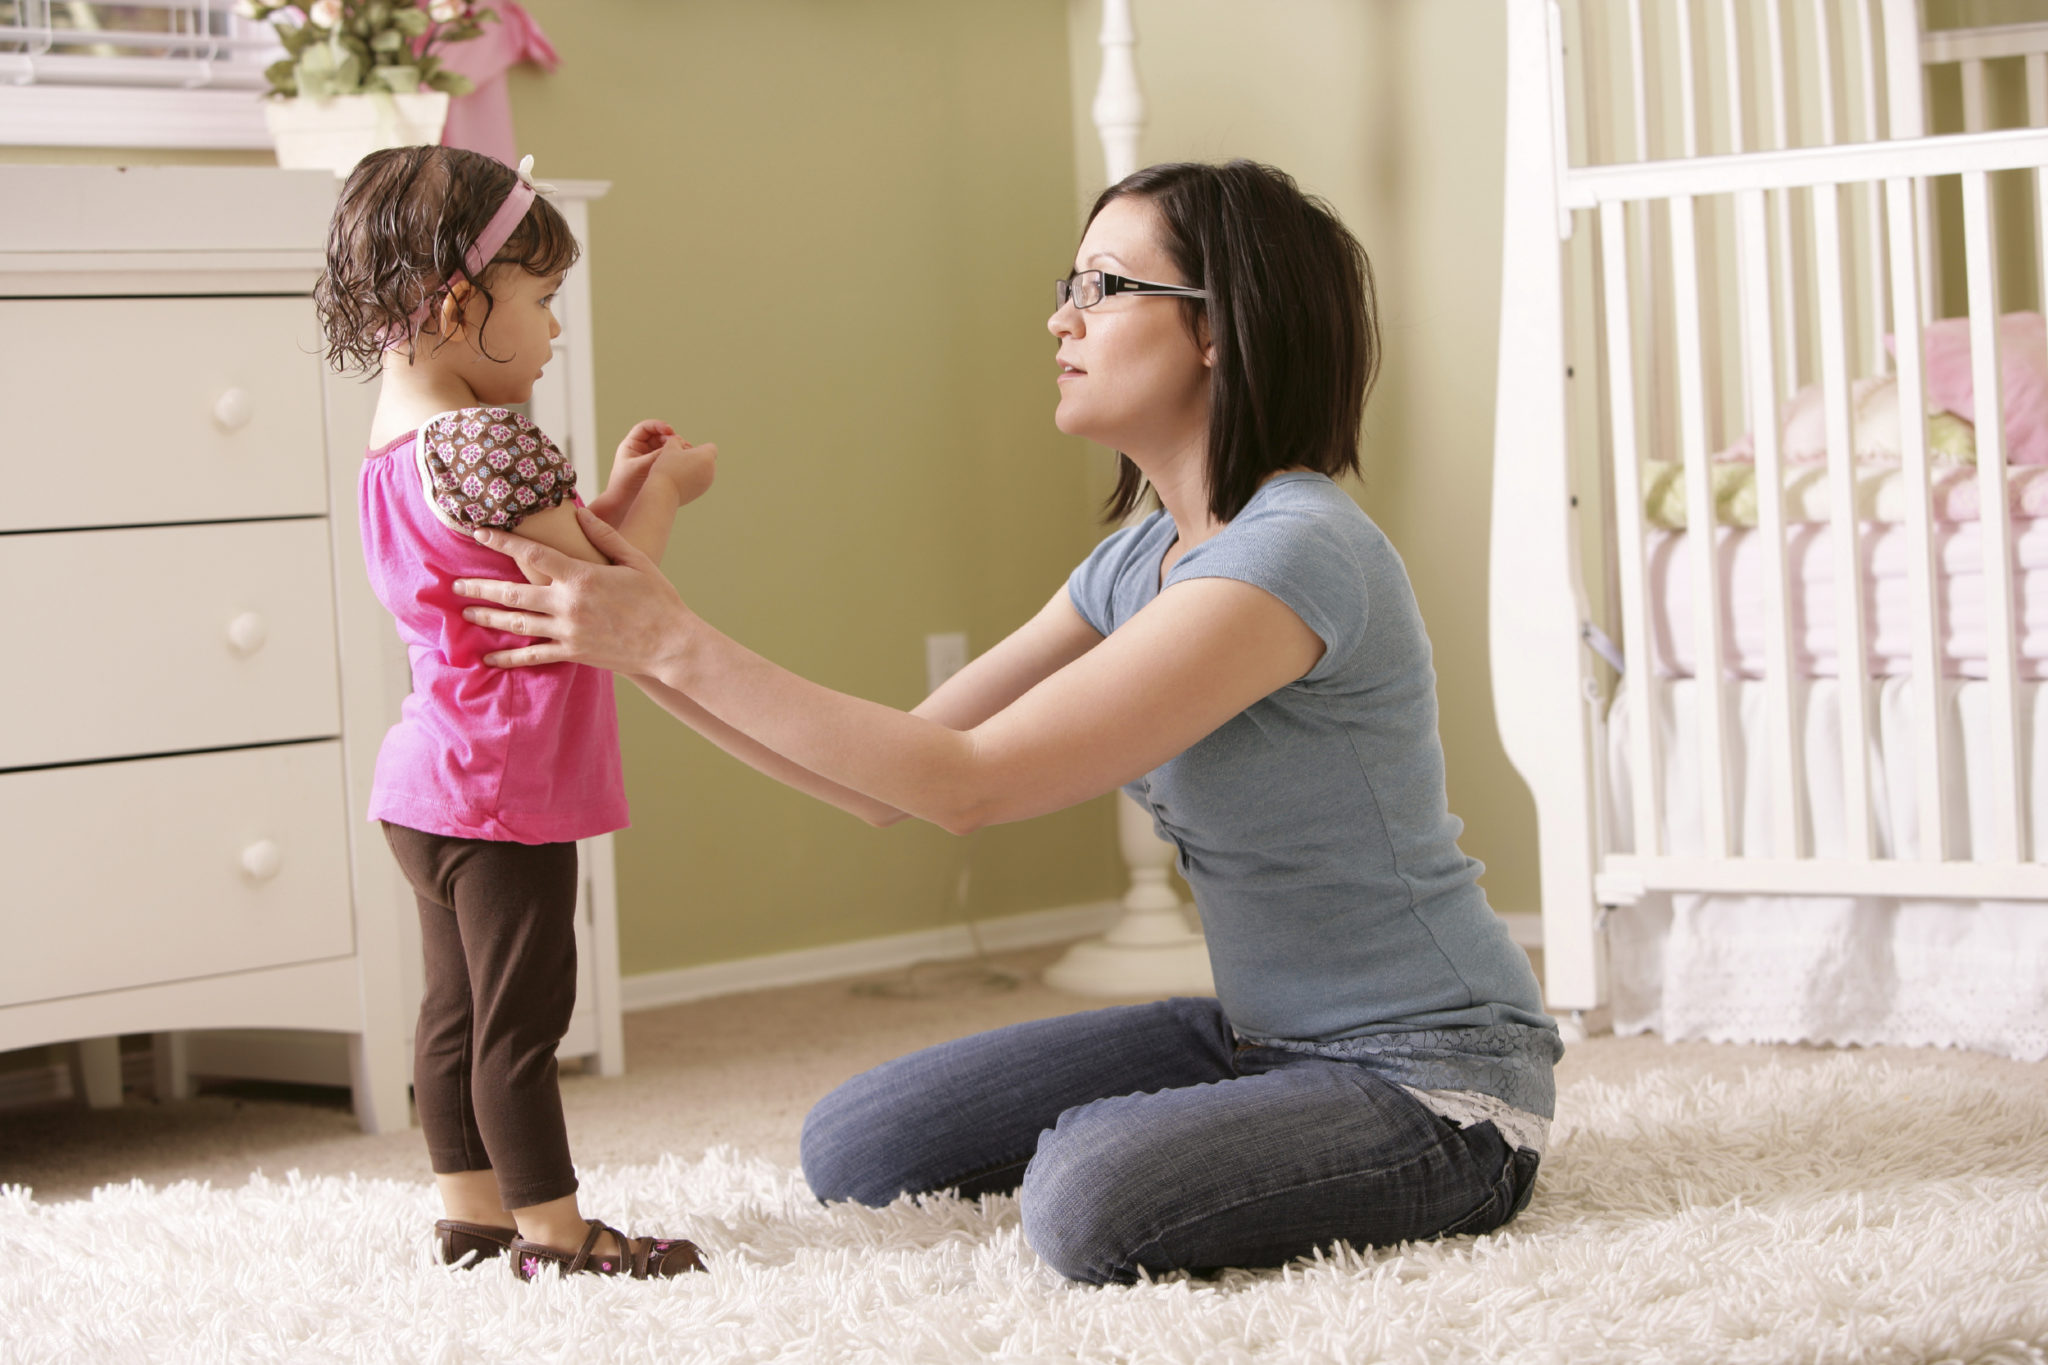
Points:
[[1205, 341]]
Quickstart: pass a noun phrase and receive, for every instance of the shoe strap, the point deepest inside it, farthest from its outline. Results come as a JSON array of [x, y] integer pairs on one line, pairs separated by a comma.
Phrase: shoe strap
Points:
[[582, 1256]]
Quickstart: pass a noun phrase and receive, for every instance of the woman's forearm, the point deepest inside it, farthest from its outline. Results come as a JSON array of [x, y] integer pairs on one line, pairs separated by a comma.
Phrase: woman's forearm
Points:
[[764, 759], [898, 760]]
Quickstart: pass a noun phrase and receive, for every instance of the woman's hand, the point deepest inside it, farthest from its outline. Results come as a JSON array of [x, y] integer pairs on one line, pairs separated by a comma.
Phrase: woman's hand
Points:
[[625, 616]]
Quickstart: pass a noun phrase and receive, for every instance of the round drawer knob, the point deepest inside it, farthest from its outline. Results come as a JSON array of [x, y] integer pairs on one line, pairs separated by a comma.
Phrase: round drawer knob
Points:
[[247, 632], [232, 410], [261, 860]]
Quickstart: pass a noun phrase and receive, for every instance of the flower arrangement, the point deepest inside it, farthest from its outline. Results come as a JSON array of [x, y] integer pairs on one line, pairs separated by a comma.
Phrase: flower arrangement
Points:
[[356, 47]]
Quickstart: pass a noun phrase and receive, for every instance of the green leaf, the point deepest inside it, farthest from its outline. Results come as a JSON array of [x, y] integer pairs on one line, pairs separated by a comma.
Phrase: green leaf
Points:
[[452, 82], [283, 77], [378, 15], [348, 77], [399, 80], [412, 22], [390, 40]]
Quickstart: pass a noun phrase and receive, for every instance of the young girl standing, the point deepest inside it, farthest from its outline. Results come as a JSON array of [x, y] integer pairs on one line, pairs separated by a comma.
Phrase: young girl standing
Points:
[[441, 268]]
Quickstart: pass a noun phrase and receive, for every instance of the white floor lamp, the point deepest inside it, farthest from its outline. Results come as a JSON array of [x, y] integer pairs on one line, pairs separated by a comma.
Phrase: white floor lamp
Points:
[[1150, 950]]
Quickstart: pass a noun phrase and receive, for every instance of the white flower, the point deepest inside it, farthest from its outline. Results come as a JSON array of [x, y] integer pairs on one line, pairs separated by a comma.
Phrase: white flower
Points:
[[325, 13], [249, 9], [447, 11]]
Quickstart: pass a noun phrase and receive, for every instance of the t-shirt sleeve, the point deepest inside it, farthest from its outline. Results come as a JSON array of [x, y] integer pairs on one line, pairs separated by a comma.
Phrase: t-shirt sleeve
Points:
[[491, 467], [1091, 587], [1308, 559]]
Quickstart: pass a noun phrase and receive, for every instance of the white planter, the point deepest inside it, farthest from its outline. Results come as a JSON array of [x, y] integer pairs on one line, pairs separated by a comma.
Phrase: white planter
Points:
[[336, 133]]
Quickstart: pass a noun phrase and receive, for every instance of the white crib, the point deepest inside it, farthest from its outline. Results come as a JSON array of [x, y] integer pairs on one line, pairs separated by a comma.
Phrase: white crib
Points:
[[1710, 206]]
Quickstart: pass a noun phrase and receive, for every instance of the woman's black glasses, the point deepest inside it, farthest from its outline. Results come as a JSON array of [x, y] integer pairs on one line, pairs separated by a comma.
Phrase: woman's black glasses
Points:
[[1086, 288]]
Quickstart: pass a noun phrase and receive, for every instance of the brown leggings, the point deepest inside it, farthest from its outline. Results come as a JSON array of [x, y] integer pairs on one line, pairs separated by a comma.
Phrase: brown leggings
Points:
[[497, 926]]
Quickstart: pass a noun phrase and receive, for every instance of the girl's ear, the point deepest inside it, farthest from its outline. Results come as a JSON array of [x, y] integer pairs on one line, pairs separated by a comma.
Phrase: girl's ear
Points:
[[454, 305]]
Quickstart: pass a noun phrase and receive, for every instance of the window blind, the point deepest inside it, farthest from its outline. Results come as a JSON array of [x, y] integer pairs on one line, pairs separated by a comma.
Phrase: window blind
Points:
[[189, 44]]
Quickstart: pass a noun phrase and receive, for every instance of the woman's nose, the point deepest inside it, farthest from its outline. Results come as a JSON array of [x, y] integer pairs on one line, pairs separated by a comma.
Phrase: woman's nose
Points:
[[1065, 321]]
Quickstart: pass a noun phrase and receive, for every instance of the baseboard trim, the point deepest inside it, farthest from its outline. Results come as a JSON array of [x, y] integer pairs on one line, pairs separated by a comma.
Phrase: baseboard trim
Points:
[[863, 957], [1524, 926]]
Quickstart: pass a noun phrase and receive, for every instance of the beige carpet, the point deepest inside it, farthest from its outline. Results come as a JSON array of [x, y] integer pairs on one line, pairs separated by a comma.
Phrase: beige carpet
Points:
[[739, 1071]]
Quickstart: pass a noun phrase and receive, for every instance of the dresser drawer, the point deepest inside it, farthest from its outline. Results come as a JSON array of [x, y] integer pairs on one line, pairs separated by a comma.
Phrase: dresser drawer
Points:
[[132, 411], [127, 874], [168, 638]]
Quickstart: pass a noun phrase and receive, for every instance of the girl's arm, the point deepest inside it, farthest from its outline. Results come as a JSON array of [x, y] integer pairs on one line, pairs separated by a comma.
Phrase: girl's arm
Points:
[[676, 474], [1199, 654], [1046, 643]]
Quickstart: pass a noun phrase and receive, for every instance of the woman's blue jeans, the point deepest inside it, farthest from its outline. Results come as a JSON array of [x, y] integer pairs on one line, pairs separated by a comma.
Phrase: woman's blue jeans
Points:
[[1146, 1137]]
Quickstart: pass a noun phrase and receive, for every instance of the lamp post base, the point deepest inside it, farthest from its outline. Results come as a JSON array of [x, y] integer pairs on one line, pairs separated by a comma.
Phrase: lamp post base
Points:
[[1161, 967]]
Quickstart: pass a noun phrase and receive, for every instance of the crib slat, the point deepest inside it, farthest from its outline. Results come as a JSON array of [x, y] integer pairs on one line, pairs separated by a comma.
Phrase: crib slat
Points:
[[1688, 98], [1701, 539], [1824, 71], [1929, 761], [1731, 39], [2037, 89], [1975, 116], [2008, 823], [1781, 204], [1645, 760], [1638, 80], [1873, 200], [1787, 778], [1851, 633]]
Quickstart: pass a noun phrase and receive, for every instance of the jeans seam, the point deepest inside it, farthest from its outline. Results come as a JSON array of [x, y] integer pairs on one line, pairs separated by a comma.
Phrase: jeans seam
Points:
[[956, 1182]]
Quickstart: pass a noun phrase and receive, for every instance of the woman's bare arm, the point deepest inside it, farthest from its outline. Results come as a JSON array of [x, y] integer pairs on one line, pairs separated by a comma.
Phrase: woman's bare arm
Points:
[[1200, 653], [1047, 642]]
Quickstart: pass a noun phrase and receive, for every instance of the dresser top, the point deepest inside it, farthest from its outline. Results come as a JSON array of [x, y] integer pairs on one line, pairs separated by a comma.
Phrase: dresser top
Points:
[[163, 208]]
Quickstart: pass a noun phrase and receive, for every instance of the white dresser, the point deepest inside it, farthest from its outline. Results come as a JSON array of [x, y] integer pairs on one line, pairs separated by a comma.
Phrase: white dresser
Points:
[[197, 677]]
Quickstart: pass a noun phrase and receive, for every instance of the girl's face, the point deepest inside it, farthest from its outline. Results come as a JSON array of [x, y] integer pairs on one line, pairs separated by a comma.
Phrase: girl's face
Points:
[[1131, 378], [502, 361]]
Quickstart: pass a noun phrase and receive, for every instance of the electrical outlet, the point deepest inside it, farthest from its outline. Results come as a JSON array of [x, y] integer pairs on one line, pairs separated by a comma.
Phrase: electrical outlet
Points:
[[944, 655]]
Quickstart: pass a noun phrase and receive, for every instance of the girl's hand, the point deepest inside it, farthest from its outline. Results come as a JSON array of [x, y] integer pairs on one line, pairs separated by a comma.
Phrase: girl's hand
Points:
[[625, 616], [689, 468], [630, 467], [645, 438]]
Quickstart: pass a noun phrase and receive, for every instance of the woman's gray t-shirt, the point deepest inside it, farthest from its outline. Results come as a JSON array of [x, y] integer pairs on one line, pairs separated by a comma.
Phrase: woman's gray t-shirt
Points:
[[1313, 826]]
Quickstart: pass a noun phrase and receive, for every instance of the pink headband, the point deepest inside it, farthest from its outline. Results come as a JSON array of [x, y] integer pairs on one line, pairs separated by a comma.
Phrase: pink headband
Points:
[[495, 234]]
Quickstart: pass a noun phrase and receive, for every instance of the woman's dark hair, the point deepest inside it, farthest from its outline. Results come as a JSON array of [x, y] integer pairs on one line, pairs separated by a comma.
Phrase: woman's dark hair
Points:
[[1290, 312], [403, 229]]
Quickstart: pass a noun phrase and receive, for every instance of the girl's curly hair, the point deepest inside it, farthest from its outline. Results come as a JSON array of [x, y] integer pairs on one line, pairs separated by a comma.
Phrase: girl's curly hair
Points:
[[403, 229]]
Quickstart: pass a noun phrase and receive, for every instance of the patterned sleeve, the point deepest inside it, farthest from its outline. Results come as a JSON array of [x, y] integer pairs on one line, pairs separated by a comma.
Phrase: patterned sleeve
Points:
[[491, 467]]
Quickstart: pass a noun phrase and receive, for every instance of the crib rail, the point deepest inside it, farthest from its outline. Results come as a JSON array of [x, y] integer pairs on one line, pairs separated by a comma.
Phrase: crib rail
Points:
[[1714, 287]]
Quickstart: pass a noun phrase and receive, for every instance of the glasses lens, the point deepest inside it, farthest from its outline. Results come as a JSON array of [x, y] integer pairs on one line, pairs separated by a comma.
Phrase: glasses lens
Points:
[[1061, 291], [1088, 289]]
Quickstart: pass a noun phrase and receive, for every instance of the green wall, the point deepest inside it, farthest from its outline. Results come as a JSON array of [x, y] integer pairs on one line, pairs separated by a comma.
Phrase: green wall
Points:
[[828, 247]]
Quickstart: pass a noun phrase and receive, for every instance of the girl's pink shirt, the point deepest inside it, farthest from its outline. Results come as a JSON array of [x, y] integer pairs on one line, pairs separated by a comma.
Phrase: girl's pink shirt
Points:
[[514, 755]]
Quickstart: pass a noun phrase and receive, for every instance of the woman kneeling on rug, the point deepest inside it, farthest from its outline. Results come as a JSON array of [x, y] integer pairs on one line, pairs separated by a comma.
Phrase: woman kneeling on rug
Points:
[[1248, 663]]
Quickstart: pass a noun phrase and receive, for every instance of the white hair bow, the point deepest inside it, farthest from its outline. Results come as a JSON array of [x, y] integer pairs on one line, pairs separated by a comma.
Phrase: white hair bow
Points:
[[526, 176]]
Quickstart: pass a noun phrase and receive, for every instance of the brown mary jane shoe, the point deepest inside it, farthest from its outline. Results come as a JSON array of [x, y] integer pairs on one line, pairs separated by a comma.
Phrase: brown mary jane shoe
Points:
[[645, 1258], [460, 1239]]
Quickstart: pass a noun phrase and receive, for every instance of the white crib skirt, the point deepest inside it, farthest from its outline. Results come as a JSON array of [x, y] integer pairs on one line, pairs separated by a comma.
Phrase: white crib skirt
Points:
[[1831, 969]]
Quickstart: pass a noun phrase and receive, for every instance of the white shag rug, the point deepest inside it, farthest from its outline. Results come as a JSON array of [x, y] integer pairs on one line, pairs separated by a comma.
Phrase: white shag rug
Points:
[[1852, 1211]]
